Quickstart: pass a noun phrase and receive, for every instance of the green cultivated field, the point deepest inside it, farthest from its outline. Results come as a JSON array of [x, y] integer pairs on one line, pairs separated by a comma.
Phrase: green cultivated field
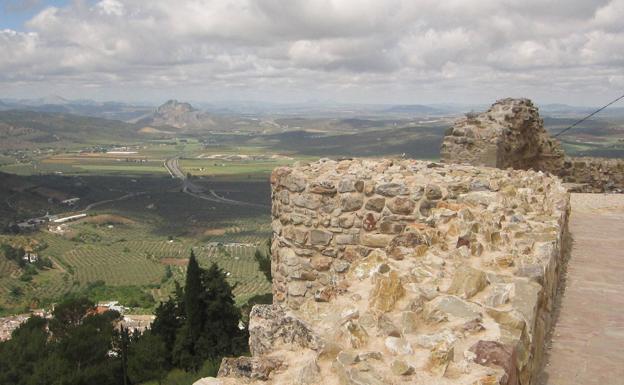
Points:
[[130, 256], [238, 169], [133, 250]]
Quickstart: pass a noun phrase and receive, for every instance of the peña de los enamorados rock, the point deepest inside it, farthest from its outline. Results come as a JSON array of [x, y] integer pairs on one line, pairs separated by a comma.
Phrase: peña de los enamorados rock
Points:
[[415, 272]]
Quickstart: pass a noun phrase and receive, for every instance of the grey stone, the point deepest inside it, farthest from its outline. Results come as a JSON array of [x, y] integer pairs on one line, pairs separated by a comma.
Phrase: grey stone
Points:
[[346, 185], [425, 207], [351, 201], [388, 227], [391, 189], [320, 237], [401, 205], [270, 326], [346, 221], [308, 201], [375, 204], [433, 192], [341, 266], [294, 183], [323, 188], [346, 239]]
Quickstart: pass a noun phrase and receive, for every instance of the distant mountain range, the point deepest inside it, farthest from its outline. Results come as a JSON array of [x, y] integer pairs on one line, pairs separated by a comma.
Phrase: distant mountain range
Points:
[[178, 115], [55, 103]]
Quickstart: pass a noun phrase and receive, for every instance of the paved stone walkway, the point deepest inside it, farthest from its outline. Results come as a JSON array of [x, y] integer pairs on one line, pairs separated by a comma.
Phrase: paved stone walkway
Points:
[[588, 339]]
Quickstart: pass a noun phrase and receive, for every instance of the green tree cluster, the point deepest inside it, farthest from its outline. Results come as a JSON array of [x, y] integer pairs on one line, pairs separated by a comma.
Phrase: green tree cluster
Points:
[[194, 329], [202, 322], [73, 347], [14, 254]]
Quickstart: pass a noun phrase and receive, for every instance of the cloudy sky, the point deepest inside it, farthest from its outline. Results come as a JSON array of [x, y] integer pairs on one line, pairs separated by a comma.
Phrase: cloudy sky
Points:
[[380, 51]]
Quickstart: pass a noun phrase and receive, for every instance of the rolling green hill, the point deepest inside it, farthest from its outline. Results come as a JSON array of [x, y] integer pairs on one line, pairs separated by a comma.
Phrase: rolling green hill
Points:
[[28, 129]]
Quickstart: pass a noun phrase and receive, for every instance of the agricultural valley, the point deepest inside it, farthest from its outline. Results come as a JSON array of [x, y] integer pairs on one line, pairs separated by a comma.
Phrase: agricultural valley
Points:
[[139, 218]]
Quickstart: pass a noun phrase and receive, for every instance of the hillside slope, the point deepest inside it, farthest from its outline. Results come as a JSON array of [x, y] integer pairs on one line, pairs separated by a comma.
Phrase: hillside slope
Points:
[[26, 129]]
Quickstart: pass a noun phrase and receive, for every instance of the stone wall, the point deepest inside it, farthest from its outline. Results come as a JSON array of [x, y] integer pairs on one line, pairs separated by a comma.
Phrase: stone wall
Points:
[[593, 175], [511, 134], [406, 271]]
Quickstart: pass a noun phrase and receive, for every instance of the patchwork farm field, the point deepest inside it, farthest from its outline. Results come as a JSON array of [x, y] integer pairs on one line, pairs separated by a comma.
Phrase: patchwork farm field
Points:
[[128, 254], [135, 241]]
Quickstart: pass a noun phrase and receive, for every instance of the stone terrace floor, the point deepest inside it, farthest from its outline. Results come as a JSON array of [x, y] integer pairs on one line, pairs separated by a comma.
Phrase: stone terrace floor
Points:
[[588, 339]]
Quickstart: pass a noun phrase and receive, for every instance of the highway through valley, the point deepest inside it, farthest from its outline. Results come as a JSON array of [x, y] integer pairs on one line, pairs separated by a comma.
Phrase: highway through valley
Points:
[[188, 187]]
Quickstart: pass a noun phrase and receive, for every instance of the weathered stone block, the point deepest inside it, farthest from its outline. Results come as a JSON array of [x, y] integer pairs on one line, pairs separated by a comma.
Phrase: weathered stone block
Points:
[[391, 189], [375, 240], [401, 205], [375, 204], [320, 237], [387, 290], [270, 327], [351, 201], [467, 282]]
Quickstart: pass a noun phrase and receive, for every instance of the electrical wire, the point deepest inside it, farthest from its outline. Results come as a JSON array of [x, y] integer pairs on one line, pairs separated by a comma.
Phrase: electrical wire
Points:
[[588, 116]]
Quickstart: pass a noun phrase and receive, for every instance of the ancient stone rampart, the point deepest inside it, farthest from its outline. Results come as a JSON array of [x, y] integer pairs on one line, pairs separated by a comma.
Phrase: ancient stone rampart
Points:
[[593, 175], [390, 272], [511, 134]]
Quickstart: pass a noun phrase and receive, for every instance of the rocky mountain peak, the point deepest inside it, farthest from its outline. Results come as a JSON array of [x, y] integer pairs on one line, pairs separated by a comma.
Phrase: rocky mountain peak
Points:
[[173, 106], [177, 114]]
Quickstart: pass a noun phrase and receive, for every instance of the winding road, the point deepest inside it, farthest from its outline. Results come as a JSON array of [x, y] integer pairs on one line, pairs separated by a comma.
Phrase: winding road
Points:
[[188, 187]]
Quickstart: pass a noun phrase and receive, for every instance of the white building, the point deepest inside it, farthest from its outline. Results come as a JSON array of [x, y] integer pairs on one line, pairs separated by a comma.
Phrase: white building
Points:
[[70, 201]]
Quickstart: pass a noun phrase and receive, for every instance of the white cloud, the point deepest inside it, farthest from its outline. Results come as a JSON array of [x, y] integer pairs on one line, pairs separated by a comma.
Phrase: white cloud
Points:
[[111, 7], [342, 49]]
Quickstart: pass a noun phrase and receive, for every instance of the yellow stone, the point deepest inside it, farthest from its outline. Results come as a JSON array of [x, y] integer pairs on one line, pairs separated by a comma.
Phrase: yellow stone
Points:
[[387, 290]]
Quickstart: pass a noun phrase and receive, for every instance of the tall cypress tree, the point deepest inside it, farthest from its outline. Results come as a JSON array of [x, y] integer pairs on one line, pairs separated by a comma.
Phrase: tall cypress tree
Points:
[[184, 352], [193, 297]]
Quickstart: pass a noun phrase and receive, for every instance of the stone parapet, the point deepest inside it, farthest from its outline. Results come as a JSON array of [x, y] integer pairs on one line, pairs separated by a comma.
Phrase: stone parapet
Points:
[[593, 175], [390, 272]]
